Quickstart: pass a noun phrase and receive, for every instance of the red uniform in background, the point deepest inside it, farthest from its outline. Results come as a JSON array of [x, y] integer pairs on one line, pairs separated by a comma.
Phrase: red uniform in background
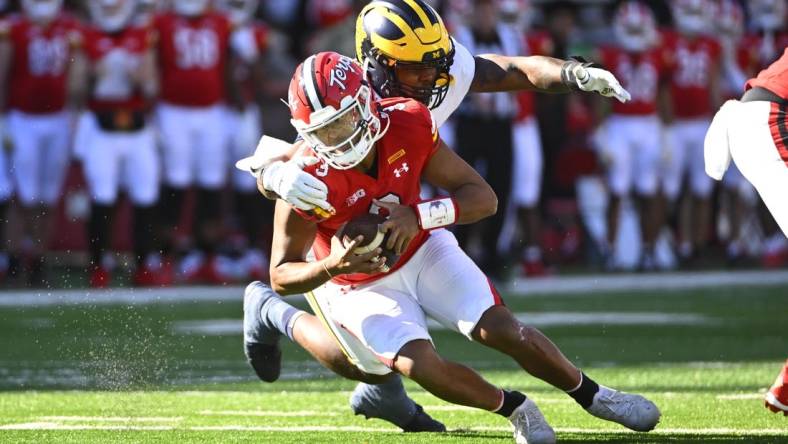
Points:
[[40, 60], [691, 64], [400, 157], [192, 58], [639, 73]]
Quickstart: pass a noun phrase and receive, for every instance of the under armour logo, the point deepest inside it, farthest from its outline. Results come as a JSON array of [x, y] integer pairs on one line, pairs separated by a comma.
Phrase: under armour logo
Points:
[[402, 169]]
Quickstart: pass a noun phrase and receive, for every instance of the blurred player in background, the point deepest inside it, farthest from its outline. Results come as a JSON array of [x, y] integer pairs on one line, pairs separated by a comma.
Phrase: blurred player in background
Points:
[[6, 183], [249, 42], [527, 144], [630, 136], [39, 69], [693, 60], [753, 132], [118, 146], [483, 132], [193, 47], [739, 59]]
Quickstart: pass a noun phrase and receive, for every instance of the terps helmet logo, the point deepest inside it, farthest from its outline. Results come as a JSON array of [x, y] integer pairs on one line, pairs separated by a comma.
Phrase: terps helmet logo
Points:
[[338, 75]]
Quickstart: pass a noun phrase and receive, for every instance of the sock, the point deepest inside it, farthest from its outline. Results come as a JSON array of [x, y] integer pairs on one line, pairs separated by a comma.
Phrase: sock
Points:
[[143, 229], [511, 400], [99, 228], [584, 393], [277, 314], [291, 323], [387, 401]]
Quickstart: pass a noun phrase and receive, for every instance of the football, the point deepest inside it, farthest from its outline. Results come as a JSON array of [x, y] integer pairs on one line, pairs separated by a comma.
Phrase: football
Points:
[[367, 225]]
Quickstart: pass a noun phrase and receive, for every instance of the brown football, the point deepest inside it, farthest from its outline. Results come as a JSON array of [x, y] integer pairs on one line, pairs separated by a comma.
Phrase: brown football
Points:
[[367, 225]]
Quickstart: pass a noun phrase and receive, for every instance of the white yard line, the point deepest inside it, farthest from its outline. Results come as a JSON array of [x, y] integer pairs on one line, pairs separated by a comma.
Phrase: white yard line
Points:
[[266, 413], [320, 428], [590, 284], [741, 396], [114, 418]]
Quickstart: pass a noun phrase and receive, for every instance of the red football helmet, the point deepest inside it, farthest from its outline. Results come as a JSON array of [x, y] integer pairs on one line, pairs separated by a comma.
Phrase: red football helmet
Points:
[[729, 18], [331, 108], [692, 17], [635, 26], [42, 11], [111, 15], [240, 12]]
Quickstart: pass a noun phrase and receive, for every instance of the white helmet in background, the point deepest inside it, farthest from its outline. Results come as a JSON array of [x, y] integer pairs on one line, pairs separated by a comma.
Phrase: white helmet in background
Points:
[[190, 8], [729, 19], [692, 17], [42, 11], [768, 15], [238, 11], [112, 15], [634, 26], [516, 12]]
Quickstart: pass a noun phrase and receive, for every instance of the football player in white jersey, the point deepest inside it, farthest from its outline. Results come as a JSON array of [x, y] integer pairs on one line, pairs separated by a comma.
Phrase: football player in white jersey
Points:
[[390, 44]]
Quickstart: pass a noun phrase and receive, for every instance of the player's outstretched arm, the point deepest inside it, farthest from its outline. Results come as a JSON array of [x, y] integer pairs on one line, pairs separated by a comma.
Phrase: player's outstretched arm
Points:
[[495, 72], [293, 235]]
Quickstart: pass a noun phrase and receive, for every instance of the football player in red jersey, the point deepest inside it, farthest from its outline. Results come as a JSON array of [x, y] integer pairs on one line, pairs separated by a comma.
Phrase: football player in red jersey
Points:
[[693, 61], [374, 154], [249, 42], [632, 160], [527, 143], [115, 142], [37, 53], [753, 132], [438, 73], [193, 43]]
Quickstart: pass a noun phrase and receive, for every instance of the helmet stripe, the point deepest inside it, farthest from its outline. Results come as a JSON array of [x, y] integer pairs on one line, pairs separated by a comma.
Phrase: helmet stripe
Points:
[[407, 12], [310, 83]]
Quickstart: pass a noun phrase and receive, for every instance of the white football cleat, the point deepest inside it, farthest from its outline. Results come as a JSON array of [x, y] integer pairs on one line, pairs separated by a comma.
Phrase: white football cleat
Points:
[[632, 411], [530, 427]]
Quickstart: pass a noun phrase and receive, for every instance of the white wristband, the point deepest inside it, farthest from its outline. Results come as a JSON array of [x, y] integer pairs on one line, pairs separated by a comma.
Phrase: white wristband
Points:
[[436, 213]]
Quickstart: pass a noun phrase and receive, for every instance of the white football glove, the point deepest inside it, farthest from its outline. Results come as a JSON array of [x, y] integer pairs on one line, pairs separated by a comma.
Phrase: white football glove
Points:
[[293, 185], [600, 81]]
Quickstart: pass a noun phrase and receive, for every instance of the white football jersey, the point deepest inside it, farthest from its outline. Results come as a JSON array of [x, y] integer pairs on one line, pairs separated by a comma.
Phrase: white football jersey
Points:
[[462, 71]]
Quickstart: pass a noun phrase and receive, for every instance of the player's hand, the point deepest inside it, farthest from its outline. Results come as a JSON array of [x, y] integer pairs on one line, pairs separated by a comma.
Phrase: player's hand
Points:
[[342, 260], [600, 81], [402, 224], [293, 185]]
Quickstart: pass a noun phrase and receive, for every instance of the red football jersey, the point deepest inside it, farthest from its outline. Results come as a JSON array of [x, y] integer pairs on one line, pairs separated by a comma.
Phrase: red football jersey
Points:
[[774, 78], [136, 41], [192, 57], [535, 43], [691, 64], [640, 74], [40, 58], [401, 155]]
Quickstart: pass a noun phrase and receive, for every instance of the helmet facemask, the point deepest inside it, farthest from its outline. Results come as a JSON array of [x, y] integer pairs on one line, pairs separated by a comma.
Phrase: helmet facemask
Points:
[[344, 137], [383, 74]]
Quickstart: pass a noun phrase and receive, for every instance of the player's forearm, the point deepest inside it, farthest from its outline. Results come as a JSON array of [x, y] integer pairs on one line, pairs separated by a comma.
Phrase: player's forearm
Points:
[[475, 202], [496, 72], [299, 277]]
